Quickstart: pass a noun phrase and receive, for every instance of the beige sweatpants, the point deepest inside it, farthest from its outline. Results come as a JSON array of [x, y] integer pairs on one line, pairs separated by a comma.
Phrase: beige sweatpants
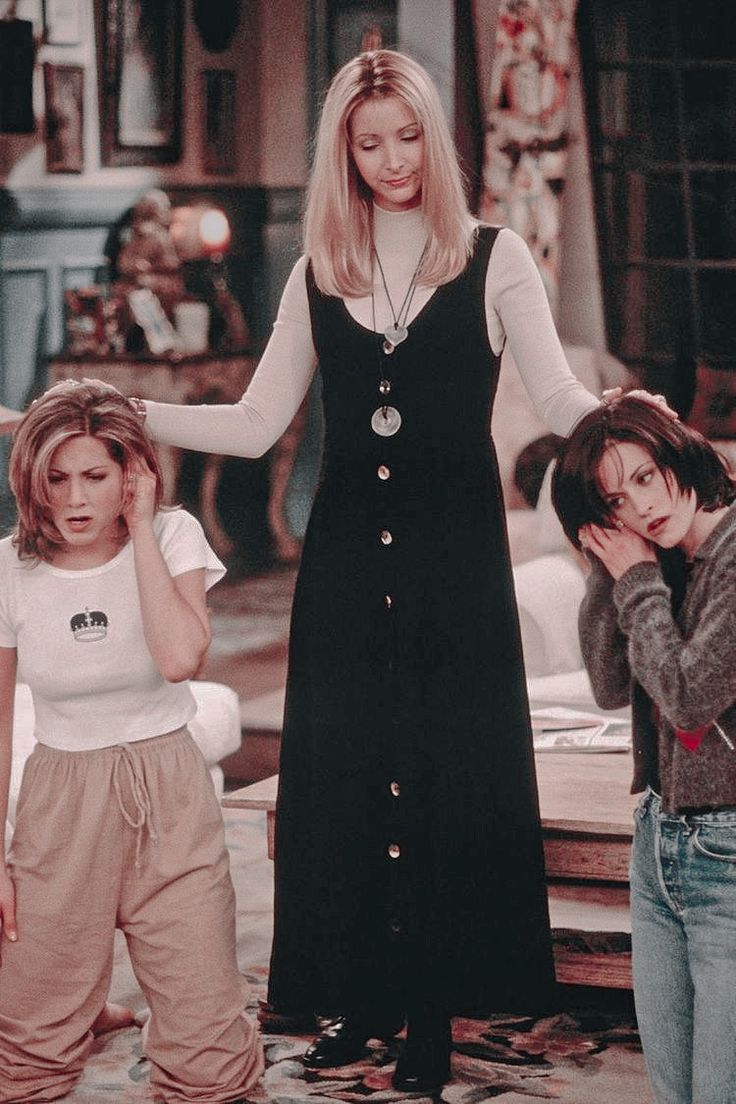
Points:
[[131, 837]]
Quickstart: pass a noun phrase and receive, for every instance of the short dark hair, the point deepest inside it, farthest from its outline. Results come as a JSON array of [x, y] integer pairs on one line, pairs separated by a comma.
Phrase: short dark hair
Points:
[[532, 463], [677, 450]]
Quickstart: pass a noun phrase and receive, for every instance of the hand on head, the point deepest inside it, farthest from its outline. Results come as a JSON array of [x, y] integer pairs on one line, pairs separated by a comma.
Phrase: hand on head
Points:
[[613, 393], [618, 549], [139, 496]]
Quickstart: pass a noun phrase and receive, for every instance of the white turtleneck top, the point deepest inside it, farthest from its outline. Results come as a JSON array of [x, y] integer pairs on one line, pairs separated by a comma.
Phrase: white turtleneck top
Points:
[[516, 310]]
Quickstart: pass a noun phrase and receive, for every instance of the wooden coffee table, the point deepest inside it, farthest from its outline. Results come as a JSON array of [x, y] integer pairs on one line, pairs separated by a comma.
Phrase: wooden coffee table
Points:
[[586, 811]]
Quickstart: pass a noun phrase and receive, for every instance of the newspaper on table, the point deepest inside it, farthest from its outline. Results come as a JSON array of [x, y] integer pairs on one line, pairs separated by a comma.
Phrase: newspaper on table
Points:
[[557, 728]]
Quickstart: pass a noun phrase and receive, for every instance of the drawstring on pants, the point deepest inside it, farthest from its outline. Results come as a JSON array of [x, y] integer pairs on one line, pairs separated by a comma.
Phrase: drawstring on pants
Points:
[[143, 816]]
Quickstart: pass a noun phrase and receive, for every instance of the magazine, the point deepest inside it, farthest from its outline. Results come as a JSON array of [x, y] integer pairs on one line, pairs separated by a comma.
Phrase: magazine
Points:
[[560, 729]]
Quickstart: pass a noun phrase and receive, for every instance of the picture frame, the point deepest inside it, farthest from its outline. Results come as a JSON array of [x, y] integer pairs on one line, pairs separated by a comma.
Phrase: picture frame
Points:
[[354, 26], [219, 130], [140, 81], [64, 94], [62, 21]]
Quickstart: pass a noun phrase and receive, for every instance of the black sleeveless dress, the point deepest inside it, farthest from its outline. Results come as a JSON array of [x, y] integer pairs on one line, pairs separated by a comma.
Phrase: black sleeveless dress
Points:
[[409, 860]]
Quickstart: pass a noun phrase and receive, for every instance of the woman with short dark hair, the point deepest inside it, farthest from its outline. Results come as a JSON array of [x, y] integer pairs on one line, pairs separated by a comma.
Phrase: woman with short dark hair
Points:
[[652, 505]]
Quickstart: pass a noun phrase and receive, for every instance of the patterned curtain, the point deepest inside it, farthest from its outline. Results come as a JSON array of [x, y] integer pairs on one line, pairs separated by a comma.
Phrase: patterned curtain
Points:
[[525, 108]]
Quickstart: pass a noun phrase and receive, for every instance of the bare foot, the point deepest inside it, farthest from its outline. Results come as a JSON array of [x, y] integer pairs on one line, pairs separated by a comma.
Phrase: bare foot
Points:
[[111, 1018]]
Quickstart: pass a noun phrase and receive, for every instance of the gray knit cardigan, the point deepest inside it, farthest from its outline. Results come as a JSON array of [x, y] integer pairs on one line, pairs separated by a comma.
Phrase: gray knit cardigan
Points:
[[636, 651]]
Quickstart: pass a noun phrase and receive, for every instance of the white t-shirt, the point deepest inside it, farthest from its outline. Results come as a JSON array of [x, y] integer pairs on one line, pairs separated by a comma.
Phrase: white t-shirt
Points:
[[516, 310], [81, 647]]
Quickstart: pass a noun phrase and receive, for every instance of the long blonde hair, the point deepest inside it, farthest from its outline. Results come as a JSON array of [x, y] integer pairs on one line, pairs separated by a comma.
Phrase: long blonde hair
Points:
[[338, 217], [67, 410]]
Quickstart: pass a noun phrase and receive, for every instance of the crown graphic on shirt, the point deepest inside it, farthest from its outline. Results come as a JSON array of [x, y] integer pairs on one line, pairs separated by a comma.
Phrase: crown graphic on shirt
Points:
[[89, 626]]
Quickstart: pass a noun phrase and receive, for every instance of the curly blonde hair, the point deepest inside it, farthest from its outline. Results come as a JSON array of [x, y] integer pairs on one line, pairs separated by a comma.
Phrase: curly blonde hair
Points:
[[65, 411]]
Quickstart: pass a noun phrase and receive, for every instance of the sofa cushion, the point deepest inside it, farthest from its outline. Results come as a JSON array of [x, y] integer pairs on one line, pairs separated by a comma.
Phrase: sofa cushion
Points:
[[549, 590]]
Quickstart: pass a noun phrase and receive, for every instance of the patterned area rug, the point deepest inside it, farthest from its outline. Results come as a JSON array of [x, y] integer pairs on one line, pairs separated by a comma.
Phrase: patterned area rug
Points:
[[586, 1057]]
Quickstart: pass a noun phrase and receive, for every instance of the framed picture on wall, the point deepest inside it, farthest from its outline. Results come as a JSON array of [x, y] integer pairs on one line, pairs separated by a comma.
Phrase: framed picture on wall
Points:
[[354, 26], [64, 93], [62, 20], [218, 132], [140, 81]]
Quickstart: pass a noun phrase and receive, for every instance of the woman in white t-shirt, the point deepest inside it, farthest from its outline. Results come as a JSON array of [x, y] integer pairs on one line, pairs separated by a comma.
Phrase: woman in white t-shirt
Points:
[[103, 612]]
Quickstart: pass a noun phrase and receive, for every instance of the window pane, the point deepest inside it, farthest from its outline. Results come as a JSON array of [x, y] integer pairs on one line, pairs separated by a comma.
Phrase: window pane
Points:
[[706, 29], [628, 29], [643, 215], [636, 114], [654, 314], [714, 215], [717, 291], [710, 114]]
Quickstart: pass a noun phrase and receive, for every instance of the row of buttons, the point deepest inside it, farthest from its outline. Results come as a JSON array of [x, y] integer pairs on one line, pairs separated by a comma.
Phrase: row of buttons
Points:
[[384, 473], [394, 850]]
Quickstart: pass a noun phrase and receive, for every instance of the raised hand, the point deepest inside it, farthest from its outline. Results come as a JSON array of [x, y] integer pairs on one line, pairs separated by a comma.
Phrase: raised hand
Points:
[[613, 393], [139, 497], [618, 549]]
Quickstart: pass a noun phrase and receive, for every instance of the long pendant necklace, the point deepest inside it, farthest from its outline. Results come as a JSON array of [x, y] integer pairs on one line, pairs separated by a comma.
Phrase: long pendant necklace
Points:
[[386, 420], [397, 331]]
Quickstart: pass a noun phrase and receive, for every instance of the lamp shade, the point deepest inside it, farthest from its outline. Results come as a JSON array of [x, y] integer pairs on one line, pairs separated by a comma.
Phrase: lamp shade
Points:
[[199, 231]]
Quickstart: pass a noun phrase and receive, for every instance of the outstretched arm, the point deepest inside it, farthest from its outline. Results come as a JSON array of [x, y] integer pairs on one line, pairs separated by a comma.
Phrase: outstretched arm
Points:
[[252, 425], [515, 295]]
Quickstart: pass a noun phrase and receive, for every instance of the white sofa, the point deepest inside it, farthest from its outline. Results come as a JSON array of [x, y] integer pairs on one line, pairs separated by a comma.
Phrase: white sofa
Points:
[[216, 729]]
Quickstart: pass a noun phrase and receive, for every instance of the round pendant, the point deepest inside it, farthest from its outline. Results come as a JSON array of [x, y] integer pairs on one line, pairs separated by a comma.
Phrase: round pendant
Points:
[[386, 421]]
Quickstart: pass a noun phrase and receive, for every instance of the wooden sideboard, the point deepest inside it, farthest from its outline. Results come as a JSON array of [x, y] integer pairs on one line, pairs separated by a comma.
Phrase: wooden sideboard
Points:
[[214, 378]]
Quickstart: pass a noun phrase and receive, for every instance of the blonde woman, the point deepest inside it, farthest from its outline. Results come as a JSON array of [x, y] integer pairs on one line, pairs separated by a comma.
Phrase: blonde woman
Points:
[[409, 873], [102, 606]]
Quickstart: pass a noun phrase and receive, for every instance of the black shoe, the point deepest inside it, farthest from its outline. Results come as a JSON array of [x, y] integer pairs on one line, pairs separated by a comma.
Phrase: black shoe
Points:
[[342, 1042], [424, 1064]]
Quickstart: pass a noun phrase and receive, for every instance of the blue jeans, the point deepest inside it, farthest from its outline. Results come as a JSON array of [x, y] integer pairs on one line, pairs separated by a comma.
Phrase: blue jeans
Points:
[[683, 931]]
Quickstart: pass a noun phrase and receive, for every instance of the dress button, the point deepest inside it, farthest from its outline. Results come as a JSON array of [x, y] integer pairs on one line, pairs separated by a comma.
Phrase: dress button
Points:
[[396, 928], [395, 789], [394, 850], [388, 600], [384, 386], [384, 471], [386, 536]]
